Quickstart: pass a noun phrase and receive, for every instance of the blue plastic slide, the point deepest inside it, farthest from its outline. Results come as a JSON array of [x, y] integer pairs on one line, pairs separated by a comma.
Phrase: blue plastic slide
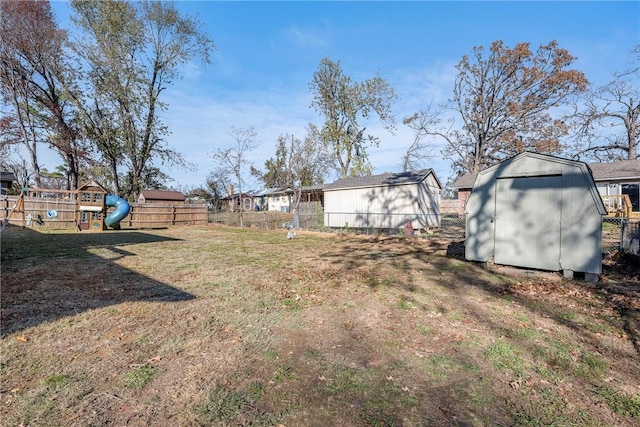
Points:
[[122, 209]]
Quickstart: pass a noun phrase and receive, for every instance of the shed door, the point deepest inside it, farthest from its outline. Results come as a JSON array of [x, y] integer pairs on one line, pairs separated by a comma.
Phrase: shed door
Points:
[[527, 222]]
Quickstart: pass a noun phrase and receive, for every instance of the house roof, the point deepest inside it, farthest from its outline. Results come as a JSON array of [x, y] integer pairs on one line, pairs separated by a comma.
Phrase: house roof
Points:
[[385, 179], [276, 190], [162, 195], [623, 169], [273, 191], [7, 176], [312, 188], [237, 195]]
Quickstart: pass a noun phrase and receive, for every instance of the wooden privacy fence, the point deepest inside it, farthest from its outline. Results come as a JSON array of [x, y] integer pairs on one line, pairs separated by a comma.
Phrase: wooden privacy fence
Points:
[[61, 213], [40, 211], [154, 215]]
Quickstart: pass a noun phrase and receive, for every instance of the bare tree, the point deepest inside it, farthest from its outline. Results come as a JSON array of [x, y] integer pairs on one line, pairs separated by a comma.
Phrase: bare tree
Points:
[[217, 184], [297, 163], [424, 123], [608, 121], [233, 160]]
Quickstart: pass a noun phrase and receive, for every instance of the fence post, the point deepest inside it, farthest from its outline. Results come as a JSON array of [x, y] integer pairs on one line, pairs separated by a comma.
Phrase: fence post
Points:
[[367, 223]]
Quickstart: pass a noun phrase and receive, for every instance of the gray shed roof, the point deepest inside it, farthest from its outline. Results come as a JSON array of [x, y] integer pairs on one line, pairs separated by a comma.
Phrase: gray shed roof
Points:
[[623, 169], [385, 179]]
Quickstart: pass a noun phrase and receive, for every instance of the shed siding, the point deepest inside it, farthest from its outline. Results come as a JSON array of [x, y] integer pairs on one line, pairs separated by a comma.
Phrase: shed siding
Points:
[[582, 226], [384, 206], [525, 234], [536, 211]]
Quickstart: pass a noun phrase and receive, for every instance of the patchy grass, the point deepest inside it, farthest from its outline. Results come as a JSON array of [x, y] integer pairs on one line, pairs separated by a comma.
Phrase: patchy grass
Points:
[[139, 376], [220, 326]]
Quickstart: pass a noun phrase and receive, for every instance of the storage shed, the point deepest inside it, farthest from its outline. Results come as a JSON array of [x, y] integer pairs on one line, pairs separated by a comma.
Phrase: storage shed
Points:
[[165, 197], [536, 211], [385, 201]]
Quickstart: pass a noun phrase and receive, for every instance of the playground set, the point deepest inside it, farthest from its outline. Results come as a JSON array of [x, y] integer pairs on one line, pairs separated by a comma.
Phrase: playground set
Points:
[[92, 203]]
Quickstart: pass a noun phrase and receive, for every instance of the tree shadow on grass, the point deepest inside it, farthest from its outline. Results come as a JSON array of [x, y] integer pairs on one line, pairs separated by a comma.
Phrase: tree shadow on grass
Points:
[[438, 256], [47, 276]]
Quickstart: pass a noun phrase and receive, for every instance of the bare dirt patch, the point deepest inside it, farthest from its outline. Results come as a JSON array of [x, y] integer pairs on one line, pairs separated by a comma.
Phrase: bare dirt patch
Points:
[[223, 326]]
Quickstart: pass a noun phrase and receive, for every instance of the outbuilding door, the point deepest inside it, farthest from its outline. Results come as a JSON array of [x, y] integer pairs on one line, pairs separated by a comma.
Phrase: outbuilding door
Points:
[[527, 222]]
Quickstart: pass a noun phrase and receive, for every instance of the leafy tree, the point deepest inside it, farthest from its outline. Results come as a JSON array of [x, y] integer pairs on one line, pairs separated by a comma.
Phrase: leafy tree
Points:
[[505, 100], [134, 52], [609, 120], [231, 161], [344, 104], [297, 163], [32, 68]]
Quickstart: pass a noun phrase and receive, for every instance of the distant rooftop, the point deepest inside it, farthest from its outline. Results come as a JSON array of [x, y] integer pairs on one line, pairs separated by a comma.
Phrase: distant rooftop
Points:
[[162, 195], [623, 169]]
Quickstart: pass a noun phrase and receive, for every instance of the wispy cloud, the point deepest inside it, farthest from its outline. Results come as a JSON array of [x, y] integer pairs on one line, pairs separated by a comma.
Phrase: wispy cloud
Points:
[[307, 37]]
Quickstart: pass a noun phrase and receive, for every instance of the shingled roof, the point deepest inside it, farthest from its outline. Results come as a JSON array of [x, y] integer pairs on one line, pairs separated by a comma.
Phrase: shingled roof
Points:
[[624, 169], [162, 195], [385, 179], [620, 170]]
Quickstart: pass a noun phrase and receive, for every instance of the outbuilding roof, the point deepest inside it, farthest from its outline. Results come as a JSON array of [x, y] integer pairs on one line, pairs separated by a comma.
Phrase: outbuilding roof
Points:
[[623, 169], [385, 179], [162, 195]]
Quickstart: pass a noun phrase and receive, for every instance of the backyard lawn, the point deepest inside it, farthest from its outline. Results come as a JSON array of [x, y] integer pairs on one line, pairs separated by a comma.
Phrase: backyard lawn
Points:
[[220, 326]]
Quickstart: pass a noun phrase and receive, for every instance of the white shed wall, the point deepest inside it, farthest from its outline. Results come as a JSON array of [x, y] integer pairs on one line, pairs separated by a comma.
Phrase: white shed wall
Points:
[[384, 206]]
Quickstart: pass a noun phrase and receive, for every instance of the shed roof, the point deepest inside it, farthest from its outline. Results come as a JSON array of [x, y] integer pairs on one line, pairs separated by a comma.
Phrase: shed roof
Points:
[[385, 179], [162, 195], [623, 169], [584, 168]]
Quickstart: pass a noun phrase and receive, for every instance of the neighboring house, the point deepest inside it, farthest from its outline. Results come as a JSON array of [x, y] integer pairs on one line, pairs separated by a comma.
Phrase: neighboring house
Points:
[[274, 199], [235, 201], [536, 211], [161, 197], [613, 179], [385, 201], [282, 199], [6, 181]]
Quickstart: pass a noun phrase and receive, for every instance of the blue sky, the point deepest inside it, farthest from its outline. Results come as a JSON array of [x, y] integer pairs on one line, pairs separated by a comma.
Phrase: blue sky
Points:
[[267, 53]]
